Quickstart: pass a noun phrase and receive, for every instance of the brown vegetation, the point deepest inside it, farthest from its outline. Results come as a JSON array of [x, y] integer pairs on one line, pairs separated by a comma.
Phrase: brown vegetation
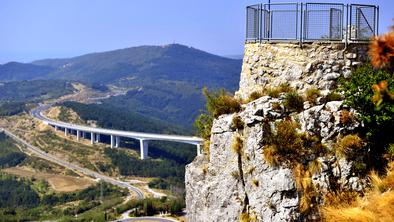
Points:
[[376, 205], [311, 95], [348, 146]]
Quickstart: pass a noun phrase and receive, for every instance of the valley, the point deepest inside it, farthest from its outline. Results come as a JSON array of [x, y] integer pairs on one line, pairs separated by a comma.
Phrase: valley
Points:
[[123, 104]]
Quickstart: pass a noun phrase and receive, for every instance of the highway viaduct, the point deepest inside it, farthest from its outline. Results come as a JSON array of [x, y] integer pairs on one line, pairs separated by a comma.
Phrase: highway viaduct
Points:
[[94, 133]]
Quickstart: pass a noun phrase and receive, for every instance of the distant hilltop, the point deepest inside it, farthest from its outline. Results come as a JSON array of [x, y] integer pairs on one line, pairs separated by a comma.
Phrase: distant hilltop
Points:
[[171, 62]]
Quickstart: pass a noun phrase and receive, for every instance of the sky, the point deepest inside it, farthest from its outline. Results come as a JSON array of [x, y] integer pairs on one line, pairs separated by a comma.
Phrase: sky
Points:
[[31, 30]]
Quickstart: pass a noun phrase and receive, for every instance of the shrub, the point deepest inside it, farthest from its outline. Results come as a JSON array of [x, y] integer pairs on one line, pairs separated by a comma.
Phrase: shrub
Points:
[[286, 146], [276, 106], [203, 125], [255, 95], [333, 96], [294, 102], [276, 91], [312, 94], [348, 146], [237, 123], [346, 117], [359, 93], [390, 152], [221, 102]]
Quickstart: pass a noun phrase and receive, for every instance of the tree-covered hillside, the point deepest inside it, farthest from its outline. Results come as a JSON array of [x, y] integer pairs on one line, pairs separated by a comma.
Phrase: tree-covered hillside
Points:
[[14, 71], [33, 90], [149, 63]]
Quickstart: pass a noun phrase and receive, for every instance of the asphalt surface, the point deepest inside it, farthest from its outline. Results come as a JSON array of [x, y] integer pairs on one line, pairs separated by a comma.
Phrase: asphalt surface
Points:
[[146, 219], [38, 152], [37, 113]]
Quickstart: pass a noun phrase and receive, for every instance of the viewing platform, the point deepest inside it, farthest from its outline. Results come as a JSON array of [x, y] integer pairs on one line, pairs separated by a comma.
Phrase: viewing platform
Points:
[[311, 22]]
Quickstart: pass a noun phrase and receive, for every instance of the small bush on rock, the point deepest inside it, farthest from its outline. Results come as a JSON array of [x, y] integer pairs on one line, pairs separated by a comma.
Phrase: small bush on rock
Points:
[[346, 117], [221, 102], [333, 96], [311, 95], [294, 102], [349, 146], [276, 91], [255, 95], [237, 123]]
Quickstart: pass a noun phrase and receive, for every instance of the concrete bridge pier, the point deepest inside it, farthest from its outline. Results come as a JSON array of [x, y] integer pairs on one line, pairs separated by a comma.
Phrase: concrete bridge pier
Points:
[[97, 138], [143, 149], [78, 135], [117, 142], [65, 132], [92, 138], [112, 141], [55, 128], [199, 151], [83, 135]]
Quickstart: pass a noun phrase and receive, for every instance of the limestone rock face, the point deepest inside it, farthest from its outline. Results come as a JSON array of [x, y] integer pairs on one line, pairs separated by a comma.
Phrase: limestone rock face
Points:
[[224, 183], [218, 187]]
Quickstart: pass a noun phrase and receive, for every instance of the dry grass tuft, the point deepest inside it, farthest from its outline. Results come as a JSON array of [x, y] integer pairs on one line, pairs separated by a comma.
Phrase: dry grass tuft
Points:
[[346, 117], [305, 186], [276, 106], [237, 144], [294, 101], [348, 146], [270, 155], [314, 166], [376, 205], [246, 217], [311, 95], [237, 123], [276, 91], [255, 95]]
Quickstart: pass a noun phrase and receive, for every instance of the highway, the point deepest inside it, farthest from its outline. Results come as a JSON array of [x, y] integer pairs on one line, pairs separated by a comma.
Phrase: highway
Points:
[[159, 219], [37, 113], [38, 152]]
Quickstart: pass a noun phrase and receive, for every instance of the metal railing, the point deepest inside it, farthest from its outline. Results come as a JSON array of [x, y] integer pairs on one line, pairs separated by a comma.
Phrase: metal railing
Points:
[[306, 22]]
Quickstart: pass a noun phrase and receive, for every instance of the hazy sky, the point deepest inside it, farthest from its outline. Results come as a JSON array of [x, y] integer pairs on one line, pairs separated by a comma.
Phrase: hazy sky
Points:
[[35, 29]]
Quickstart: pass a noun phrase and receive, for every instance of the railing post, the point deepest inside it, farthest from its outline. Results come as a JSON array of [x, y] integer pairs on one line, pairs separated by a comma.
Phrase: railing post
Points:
[[377, 20], [301, 23]]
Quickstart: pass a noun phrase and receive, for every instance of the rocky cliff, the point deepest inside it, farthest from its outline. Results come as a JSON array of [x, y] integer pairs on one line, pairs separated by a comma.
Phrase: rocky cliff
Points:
[[228, 184]]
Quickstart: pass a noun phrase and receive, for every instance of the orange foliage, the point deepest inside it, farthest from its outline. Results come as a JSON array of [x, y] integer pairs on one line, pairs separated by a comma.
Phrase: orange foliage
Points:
[[381, 50]]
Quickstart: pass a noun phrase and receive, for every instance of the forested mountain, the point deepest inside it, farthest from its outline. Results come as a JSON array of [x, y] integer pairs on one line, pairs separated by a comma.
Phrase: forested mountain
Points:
[[163, 82], [14, 71], [148, 63]]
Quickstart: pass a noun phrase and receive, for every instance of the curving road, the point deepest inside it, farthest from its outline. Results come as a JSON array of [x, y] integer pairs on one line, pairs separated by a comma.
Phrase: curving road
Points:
[[37, 113], [38, 152], [159, 219]]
